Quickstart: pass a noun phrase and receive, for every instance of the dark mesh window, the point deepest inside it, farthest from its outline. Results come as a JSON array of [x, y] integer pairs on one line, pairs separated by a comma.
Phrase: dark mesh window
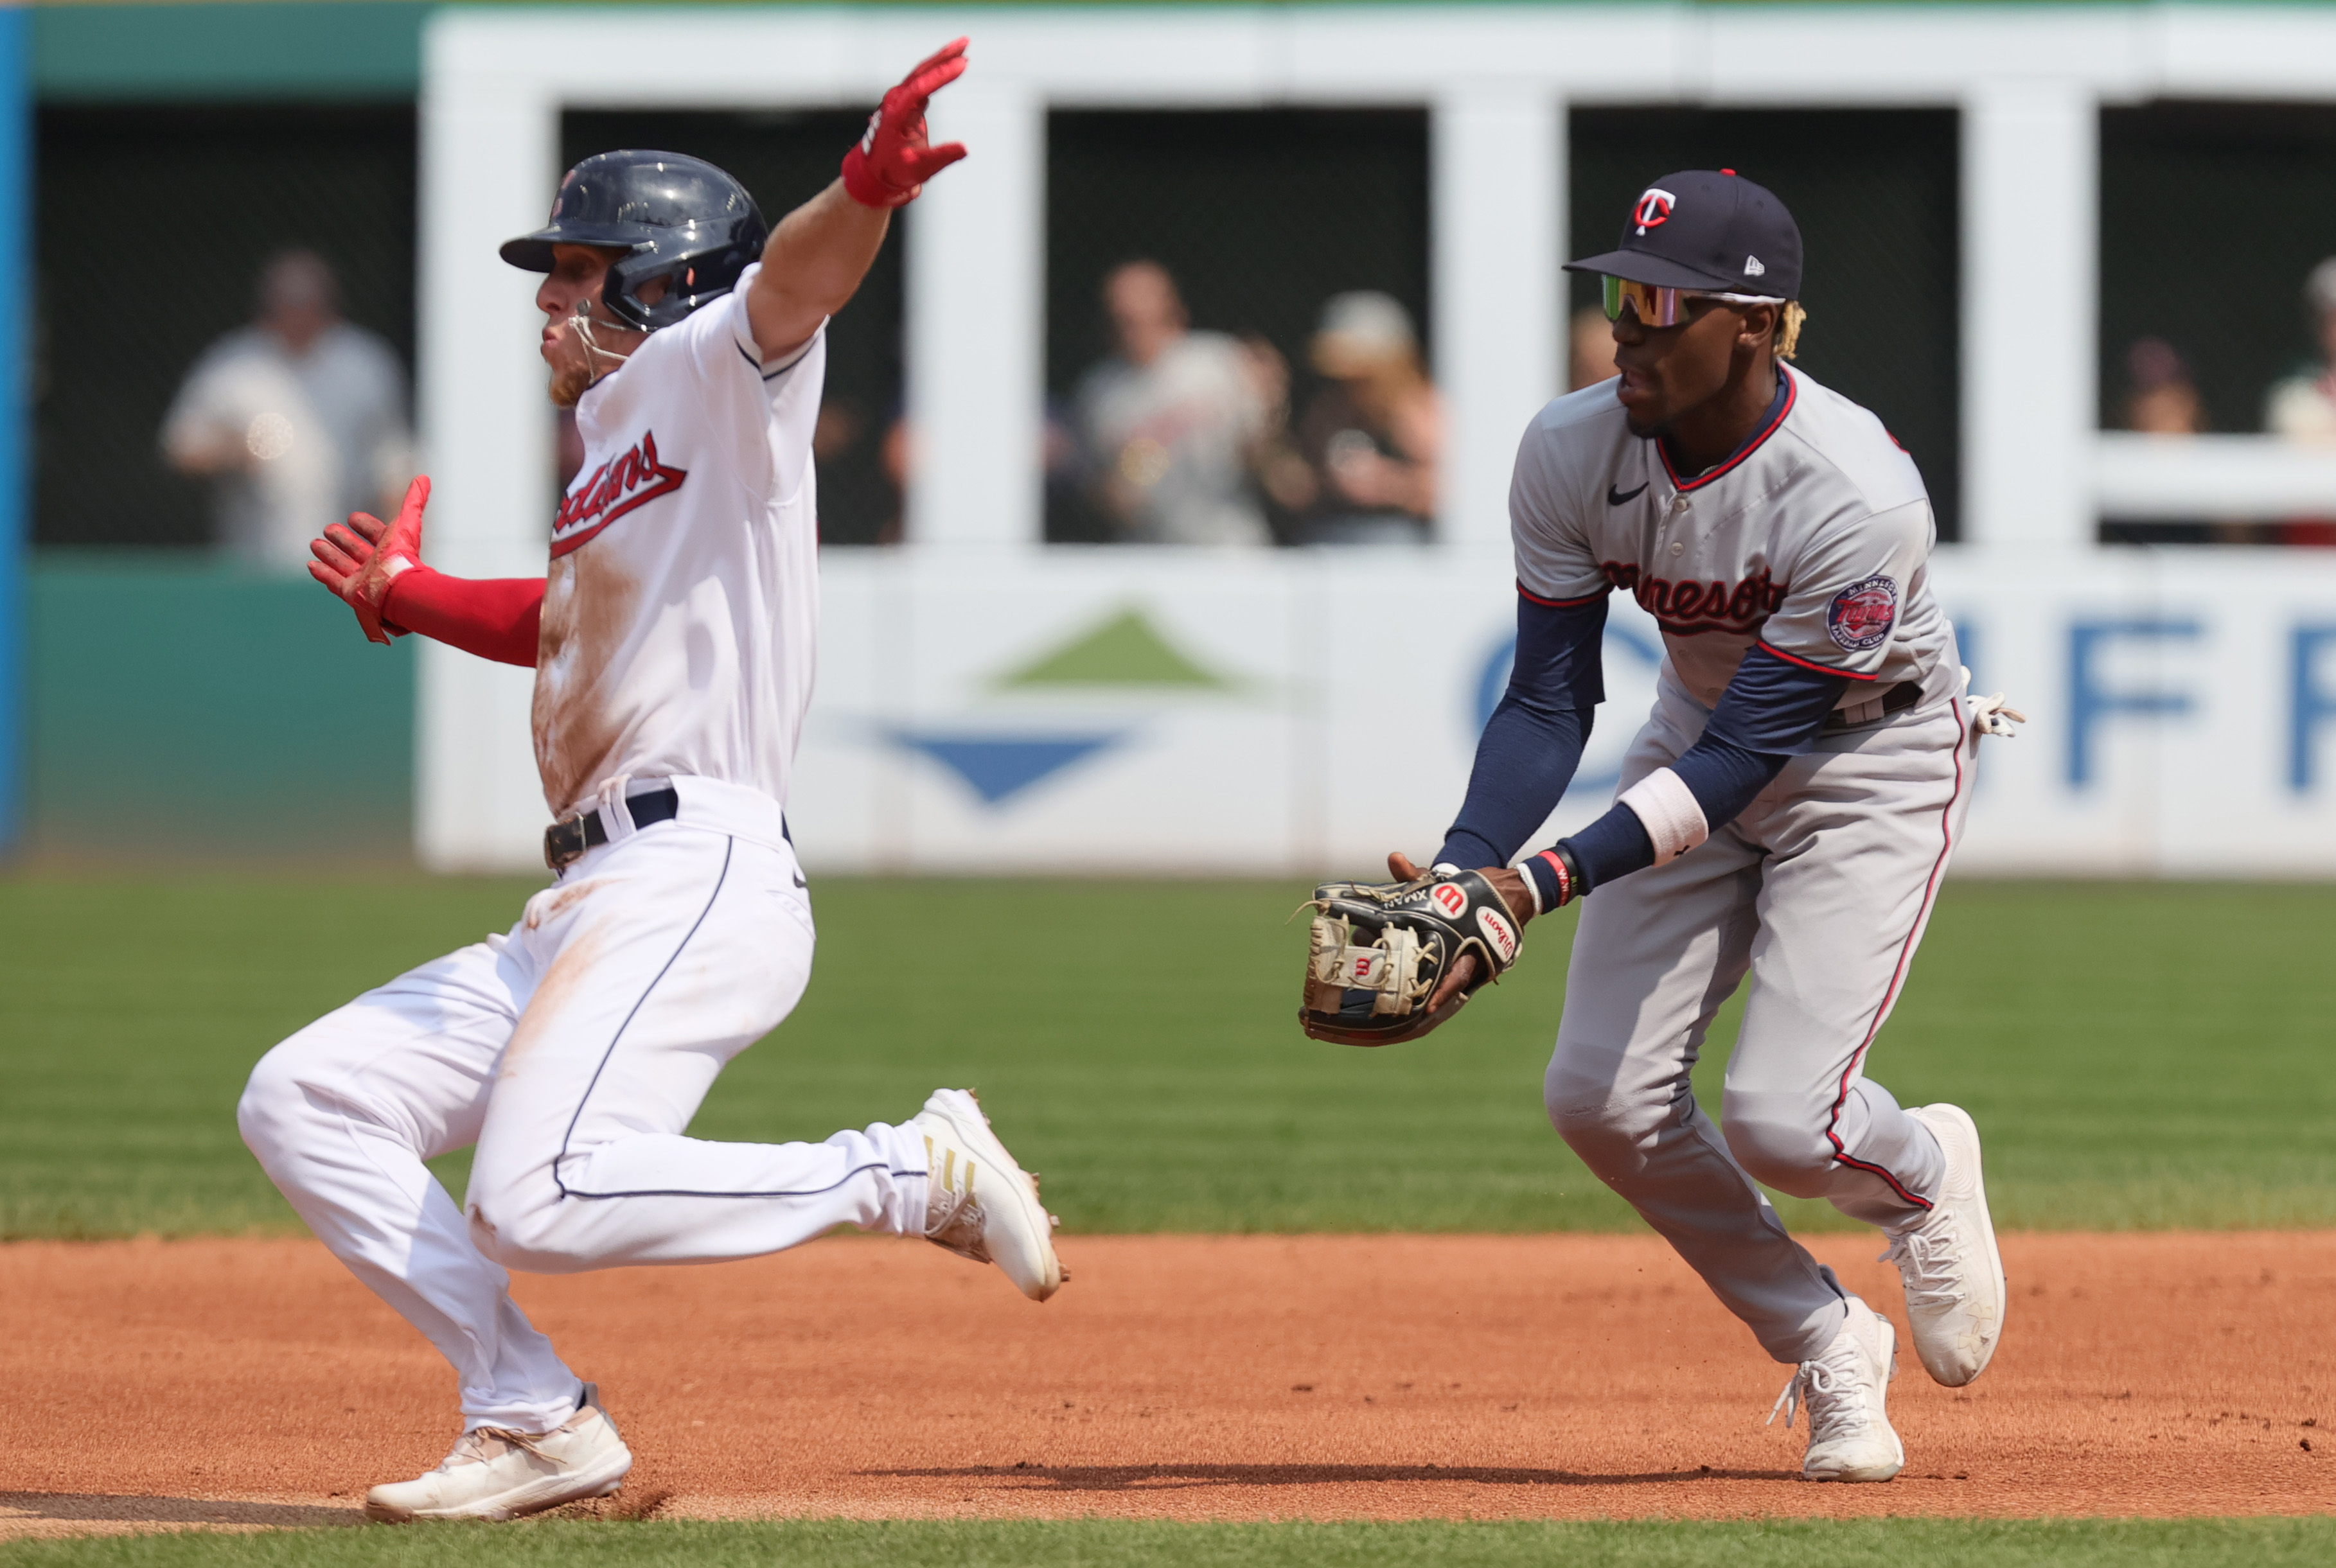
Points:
[[785, 158], [1875, 195], [2211, 216], [154, 225], [1259, 215]]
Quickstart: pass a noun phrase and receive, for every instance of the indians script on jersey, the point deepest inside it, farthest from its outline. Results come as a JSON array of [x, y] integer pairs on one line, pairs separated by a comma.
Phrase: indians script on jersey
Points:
[[633, 480]]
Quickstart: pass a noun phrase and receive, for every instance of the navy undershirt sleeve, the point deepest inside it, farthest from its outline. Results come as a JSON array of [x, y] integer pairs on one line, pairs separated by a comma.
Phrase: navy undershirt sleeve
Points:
[[1770, 713], [1533, 743]]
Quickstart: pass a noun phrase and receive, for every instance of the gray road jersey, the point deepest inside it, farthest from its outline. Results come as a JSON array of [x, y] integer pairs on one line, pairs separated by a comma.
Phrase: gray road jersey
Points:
[[1813, 542]]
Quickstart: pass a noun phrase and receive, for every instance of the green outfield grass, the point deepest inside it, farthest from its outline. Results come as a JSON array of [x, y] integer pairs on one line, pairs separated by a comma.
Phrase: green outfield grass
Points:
[[2139, 1055], [1115, 1543]]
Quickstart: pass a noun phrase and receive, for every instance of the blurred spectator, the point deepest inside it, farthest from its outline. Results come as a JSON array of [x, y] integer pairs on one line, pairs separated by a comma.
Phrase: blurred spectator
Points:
[[1284, 477], [2302, 407], [298, 419], [1374, 434], [1165, 427], [1591, 340], [2161, 399]]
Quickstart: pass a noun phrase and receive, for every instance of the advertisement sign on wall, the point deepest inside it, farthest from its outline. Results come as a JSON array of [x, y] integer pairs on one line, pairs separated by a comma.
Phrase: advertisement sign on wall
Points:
[[1090, 711]]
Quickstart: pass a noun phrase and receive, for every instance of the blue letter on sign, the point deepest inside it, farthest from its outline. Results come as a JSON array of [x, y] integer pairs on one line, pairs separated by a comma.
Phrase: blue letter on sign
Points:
[[2089, 704], [2311, 706]]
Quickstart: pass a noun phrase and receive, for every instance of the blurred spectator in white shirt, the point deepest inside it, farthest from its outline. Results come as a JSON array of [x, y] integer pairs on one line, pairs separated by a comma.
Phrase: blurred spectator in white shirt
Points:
[[299, 419], [2302, 407], [1375, 433], [1591, 359], [1165, 427]]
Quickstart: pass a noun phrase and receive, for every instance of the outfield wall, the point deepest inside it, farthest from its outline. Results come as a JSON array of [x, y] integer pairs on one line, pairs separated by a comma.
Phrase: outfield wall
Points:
[[182, 710], [1081, 711], [991, 704], [1172, 711]]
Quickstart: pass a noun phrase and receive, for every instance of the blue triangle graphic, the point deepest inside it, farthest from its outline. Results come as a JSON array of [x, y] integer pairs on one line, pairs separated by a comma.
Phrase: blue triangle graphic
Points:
[[999, 766]]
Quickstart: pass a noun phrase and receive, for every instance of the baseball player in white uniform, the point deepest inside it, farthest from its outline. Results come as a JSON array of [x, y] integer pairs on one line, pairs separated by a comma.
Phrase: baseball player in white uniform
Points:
[[673, 641], [1785, 813]]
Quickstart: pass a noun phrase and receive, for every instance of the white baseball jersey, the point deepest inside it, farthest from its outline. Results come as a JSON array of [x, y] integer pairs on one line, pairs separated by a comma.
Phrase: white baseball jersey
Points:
[[681, 616], [1813, 540]]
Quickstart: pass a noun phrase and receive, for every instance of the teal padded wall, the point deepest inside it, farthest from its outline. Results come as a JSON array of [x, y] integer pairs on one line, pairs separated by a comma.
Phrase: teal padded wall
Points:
[[323, 49], [195, 712]]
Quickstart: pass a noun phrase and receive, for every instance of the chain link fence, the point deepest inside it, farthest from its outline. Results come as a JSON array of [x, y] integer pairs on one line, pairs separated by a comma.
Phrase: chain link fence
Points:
[[151, 227], [1259, 216], [2211, 216]]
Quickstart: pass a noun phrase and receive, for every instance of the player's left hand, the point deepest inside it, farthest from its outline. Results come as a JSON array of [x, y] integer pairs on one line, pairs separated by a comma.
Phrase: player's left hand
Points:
[[892, 162], [358, 560], [1388, 961], [1509, 885]]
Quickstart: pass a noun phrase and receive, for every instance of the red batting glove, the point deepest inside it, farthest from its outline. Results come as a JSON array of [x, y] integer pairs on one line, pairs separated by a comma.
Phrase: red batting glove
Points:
[[892, 162], [360, 560]]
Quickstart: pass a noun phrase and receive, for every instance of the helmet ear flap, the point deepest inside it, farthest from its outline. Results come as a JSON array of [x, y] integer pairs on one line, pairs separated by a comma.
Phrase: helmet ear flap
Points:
[[699, 263], [620, 291]]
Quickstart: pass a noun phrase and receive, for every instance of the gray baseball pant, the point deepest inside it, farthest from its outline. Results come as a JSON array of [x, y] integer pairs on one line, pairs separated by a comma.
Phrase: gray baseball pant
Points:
[[1819, 892]]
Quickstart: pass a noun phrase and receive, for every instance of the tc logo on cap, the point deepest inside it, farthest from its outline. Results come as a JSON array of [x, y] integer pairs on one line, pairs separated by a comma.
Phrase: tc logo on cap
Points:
[[1654, 209]]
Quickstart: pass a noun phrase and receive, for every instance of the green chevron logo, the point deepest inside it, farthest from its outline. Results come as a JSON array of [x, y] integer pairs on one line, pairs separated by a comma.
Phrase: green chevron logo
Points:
[[1127, 650]]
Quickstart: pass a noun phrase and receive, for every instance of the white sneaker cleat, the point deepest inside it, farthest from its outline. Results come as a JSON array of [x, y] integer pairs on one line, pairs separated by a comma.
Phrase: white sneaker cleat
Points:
[[1952, 1272], [495, 1473], [1844, 1391], [999, 1220]]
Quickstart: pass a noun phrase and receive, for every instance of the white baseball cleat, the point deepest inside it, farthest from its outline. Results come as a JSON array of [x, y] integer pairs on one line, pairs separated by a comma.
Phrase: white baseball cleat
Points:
[[1952, 1272], [981, 1204], [1843, 1390], [496, 1472]]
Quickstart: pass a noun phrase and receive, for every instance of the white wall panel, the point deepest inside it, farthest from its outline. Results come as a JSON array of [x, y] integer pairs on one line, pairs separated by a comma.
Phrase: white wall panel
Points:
[[903, 635], [1498, 234]]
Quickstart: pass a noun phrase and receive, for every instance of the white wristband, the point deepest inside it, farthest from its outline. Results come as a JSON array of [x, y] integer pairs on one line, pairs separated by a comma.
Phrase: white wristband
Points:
[[1668, 808]]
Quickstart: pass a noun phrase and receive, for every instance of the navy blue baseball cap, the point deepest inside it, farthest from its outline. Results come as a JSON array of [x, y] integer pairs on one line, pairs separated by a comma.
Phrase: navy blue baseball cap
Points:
[[1709, 229]]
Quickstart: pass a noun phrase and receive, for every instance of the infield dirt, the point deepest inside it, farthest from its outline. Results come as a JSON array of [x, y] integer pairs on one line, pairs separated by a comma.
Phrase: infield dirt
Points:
[[251, 1382]]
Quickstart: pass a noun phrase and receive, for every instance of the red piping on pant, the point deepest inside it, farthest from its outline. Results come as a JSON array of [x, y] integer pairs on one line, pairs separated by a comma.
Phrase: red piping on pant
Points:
[[1905, 954]]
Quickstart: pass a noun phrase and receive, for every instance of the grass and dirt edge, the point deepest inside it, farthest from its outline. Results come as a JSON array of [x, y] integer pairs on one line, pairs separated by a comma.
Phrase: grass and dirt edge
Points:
[[1885, 1542]]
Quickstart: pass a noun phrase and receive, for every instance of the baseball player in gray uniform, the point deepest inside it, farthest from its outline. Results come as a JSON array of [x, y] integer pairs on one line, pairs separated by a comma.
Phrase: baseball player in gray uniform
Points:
[[1786, 814]]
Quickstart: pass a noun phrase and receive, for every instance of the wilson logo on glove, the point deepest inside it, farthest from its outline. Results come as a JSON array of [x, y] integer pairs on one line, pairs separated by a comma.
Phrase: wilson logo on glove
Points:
[[1499, 933], [1380, 950]]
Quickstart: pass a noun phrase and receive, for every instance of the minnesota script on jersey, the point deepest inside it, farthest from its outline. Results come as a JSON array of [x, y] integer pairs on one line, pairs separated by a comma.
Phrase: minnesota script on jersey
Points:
[[681, 617], [1813, 540]]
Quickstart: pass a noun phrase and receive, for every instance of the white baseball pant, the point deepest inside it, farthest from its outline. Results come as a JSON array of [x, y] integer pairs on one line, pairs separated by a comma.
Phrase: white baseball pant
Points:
[[1819, 892], [573, 1052]]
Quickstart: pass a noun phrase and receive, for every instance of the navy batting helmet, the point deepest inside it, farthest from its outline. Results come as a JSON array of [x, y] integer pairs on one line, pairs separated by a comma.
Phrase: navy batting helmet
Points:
[[675, 216]]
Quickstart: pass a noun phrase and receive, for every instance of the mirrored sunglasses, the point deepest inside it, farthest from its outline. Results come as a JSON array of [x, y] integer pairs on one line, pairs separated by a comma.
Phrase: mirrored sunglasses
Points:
[[1659, 306]]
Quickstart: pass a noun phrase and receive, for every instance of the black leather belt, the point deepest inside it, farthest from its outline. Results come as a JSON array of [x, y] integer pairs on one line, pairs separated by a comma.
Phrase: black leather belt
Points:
[[1897, 699], [564, 842]]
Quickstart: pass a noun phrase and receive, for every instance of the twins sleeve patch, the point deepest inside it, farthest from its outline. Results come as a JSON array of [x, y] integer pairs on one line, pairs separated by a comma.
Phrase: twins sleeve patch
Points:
[[1861, 615]]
